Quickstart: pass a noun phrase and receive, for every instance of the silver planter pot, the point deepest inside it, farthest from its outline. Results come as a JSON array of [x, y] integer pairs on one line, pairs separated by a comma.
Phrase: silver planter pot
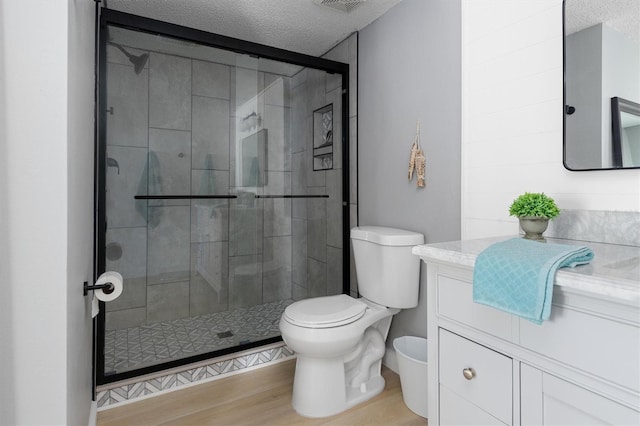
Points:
[[533, 227]]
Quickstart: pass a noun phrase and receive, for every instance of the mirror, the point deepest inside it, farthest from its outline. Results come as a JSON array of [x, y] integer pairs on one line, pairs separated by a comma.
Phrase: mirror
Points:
[[625, 116], [601, 84]]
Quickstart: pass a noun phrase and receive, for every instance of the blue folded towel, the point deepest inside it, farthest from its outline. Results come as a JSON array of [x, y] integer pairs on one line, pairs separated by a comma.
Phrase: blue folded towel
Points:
[[517, 275]]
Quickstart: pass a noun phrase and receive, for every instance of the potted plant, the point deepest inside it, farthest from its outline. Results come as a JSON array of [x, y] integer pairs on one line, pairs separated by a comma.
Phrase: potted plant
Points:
[[534, 211]]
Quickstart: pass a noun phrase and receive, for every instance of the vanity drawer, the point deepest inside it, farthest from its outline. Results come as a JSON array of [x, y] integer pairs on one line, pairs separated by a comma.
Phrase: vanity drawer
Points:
[[477, 374], [455, 301], [605, 347]]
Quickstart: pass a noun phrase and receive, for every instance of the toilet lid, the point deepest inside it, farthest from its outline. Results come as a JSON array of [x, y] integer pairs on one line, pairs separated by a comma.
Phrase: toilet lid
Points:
[[324, 312]]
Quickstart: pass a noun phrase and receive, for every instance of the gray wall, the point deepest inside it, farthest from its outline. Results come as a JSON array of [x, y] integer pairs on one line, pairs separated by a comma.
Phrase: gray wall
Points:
[[409, 69]]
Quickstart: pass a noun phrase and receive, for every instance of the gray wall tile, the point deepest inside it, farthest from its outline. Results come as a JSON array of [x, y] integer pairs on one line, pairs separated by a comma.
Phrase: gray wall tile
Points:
[[315, 178], [245, 281], [317, 226], [276, 269], [316, 93], [209, 277], [169, 162], [277, 217], [203, 299], [276, 120], [300, 119], [334, 271], [353, 159], [335, 98], [210, 133], [167, 301], [209, 218], [276, 91], [353, 279], [122, 209], [299, 78], [317, 278], [299, 252], [298, 292], [117, 320], [334, 208], [245, 225], [128, 95], [246, 84], [211, 79], [131, 243], [169, 92], [277, 211], [299, 185]]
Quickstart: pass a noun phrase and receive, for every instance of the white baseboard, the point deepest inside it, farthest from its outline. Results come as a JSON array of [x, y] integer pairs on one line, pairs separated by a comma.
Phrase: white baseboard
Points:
[[93, 413]]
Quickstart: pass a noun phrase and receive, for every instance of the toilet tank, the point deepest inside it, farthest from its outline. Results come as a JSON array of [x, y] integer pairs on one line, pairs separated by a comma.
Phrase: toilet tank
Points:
[[388, 274]]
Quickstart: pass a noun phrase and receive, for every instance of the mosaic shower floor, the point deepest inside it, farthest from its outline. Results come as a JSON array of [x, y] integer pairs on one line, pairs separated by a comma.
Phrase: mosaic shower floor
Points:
[[137, 347]]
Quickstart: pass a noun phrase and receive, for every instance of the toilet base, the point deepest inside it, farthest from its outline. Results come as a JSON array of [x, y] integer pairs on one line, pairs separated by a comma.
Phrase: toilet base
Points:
[[329, 394]]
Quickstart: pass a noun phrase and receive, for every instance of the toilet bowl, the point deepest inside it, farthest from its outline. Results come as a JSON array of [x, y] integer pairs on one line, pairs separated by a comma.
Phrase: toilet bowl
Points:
[[339, 340]]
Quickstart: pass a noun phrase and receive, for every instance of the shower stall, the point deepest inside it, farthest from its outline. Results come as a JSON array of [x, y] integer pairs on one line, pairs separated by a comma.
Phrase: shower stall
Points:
[[221, 191]]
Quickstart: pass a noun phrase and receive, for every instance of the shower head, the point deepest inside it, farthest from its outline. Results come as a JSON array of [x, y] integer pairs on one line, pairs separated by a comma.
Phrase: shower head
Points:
[[138, 61]]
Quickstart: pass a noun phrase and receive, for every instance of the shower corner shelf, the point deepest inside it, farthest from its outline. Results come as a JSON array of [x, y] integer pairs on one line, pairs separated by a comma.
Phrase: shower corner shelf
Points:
[[323, 138]]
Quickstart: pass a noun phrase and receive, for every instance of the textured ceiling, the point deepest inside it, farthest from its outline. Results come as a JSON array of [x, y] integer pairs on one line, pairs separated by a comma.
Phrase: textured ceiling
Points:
[[298, 25], [621, 15]]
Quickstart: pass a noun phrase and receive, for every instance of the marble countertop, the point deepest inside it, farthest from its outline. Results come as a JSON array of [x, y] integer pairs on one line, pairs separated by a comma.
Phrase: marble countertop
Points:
[[613, 273]]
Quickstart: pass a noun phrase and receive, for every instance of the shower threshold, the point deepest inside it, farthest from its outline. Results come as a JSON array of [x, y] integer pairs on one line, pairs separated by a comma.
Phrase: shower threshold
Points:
[[146, 345]]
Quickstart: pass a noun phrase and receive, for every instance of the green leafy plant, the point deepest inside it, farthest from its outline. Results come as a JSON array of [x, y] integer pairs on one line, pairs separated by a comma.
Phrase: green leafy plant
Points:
[[534, 204]]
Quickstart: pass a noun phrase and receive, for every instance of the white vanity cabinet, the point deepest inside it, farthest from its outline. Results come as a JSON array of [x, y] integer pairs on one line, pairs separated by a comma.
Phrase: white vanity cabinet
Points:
[[548, 400], [487, 367]]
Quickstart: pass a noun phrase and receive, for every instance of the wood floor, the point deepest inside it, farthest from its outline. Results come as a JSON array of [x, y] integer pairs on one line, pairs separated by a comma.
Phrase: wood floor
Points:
[[259, 397]]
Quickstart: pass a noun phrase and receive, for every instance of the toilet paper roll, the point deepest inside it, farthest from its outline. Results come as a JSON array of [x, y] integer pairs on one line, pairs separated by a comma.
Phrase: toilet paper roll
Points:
[[109, 277]]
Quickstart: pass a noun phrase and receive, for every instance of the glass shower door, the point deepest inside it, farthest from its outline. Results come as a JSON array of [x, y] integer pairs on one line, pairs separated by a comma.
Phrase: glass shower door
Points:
[[222, 198]]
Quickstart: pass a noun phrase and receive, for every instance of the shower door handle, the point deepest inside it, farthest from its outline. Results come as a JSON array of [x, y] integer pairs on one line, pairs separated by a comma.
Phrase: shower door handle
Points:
[[183, 197], [291, 196]]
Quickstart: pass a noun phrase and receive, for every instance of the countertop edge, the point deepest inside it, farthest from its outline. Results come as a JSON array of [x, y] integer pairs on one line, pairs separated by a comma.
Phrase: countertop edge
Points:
[[622, 290]]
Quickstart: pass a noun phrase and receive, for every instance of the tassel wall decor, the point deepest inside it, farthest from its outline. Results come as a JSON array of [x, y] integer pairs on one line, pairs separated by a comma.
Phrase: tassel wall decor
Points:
[[412, 159], [417, 160]]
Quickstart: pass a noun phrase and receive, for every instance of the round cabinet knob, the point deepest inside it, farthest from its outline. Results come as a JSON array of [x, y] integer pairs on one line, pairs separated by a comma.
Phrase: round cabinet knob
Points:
[[469, 373]]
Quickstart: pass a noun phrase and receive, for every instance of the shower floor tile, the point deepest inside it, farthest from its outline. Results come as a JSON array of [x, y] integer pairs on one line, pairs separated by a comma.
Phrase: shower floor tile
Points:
[[138, 347]]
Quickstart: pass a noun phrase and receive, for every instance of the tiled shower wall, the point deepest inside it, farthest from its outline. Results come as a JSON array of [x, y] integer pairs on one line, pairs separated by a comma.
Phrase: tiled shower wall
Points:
[[347, 52], [173, 129], [316, 222]]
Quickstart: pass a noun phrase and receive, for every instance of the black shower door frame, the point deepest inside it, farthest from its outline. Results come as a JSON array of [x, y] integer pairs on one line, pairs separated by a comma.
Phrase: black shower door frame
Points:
[[110, 17]]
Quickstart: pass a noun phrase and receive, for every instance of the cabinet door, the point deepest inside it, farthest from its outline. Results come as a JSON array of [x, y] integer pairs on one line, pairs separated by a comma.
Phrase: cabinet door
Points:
[[548, 400], [457, 411], [490, 383]]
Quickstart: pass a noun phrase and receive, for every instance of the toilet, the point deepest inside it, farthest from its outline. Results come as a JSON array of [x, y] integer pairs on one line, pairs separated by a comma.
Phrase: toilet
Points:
[[339, 341]]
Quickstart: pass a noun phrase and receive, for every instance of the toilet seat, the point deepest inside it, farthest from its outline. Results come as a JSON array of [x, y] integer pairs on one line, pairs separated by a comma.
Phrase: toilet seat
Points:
[[325, 312]]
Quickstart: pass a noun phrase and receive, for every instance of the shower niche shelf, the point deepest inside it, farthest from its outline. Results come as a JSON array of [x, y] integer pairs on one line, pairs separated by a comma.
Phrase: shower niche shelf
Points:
[[323, 138]]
